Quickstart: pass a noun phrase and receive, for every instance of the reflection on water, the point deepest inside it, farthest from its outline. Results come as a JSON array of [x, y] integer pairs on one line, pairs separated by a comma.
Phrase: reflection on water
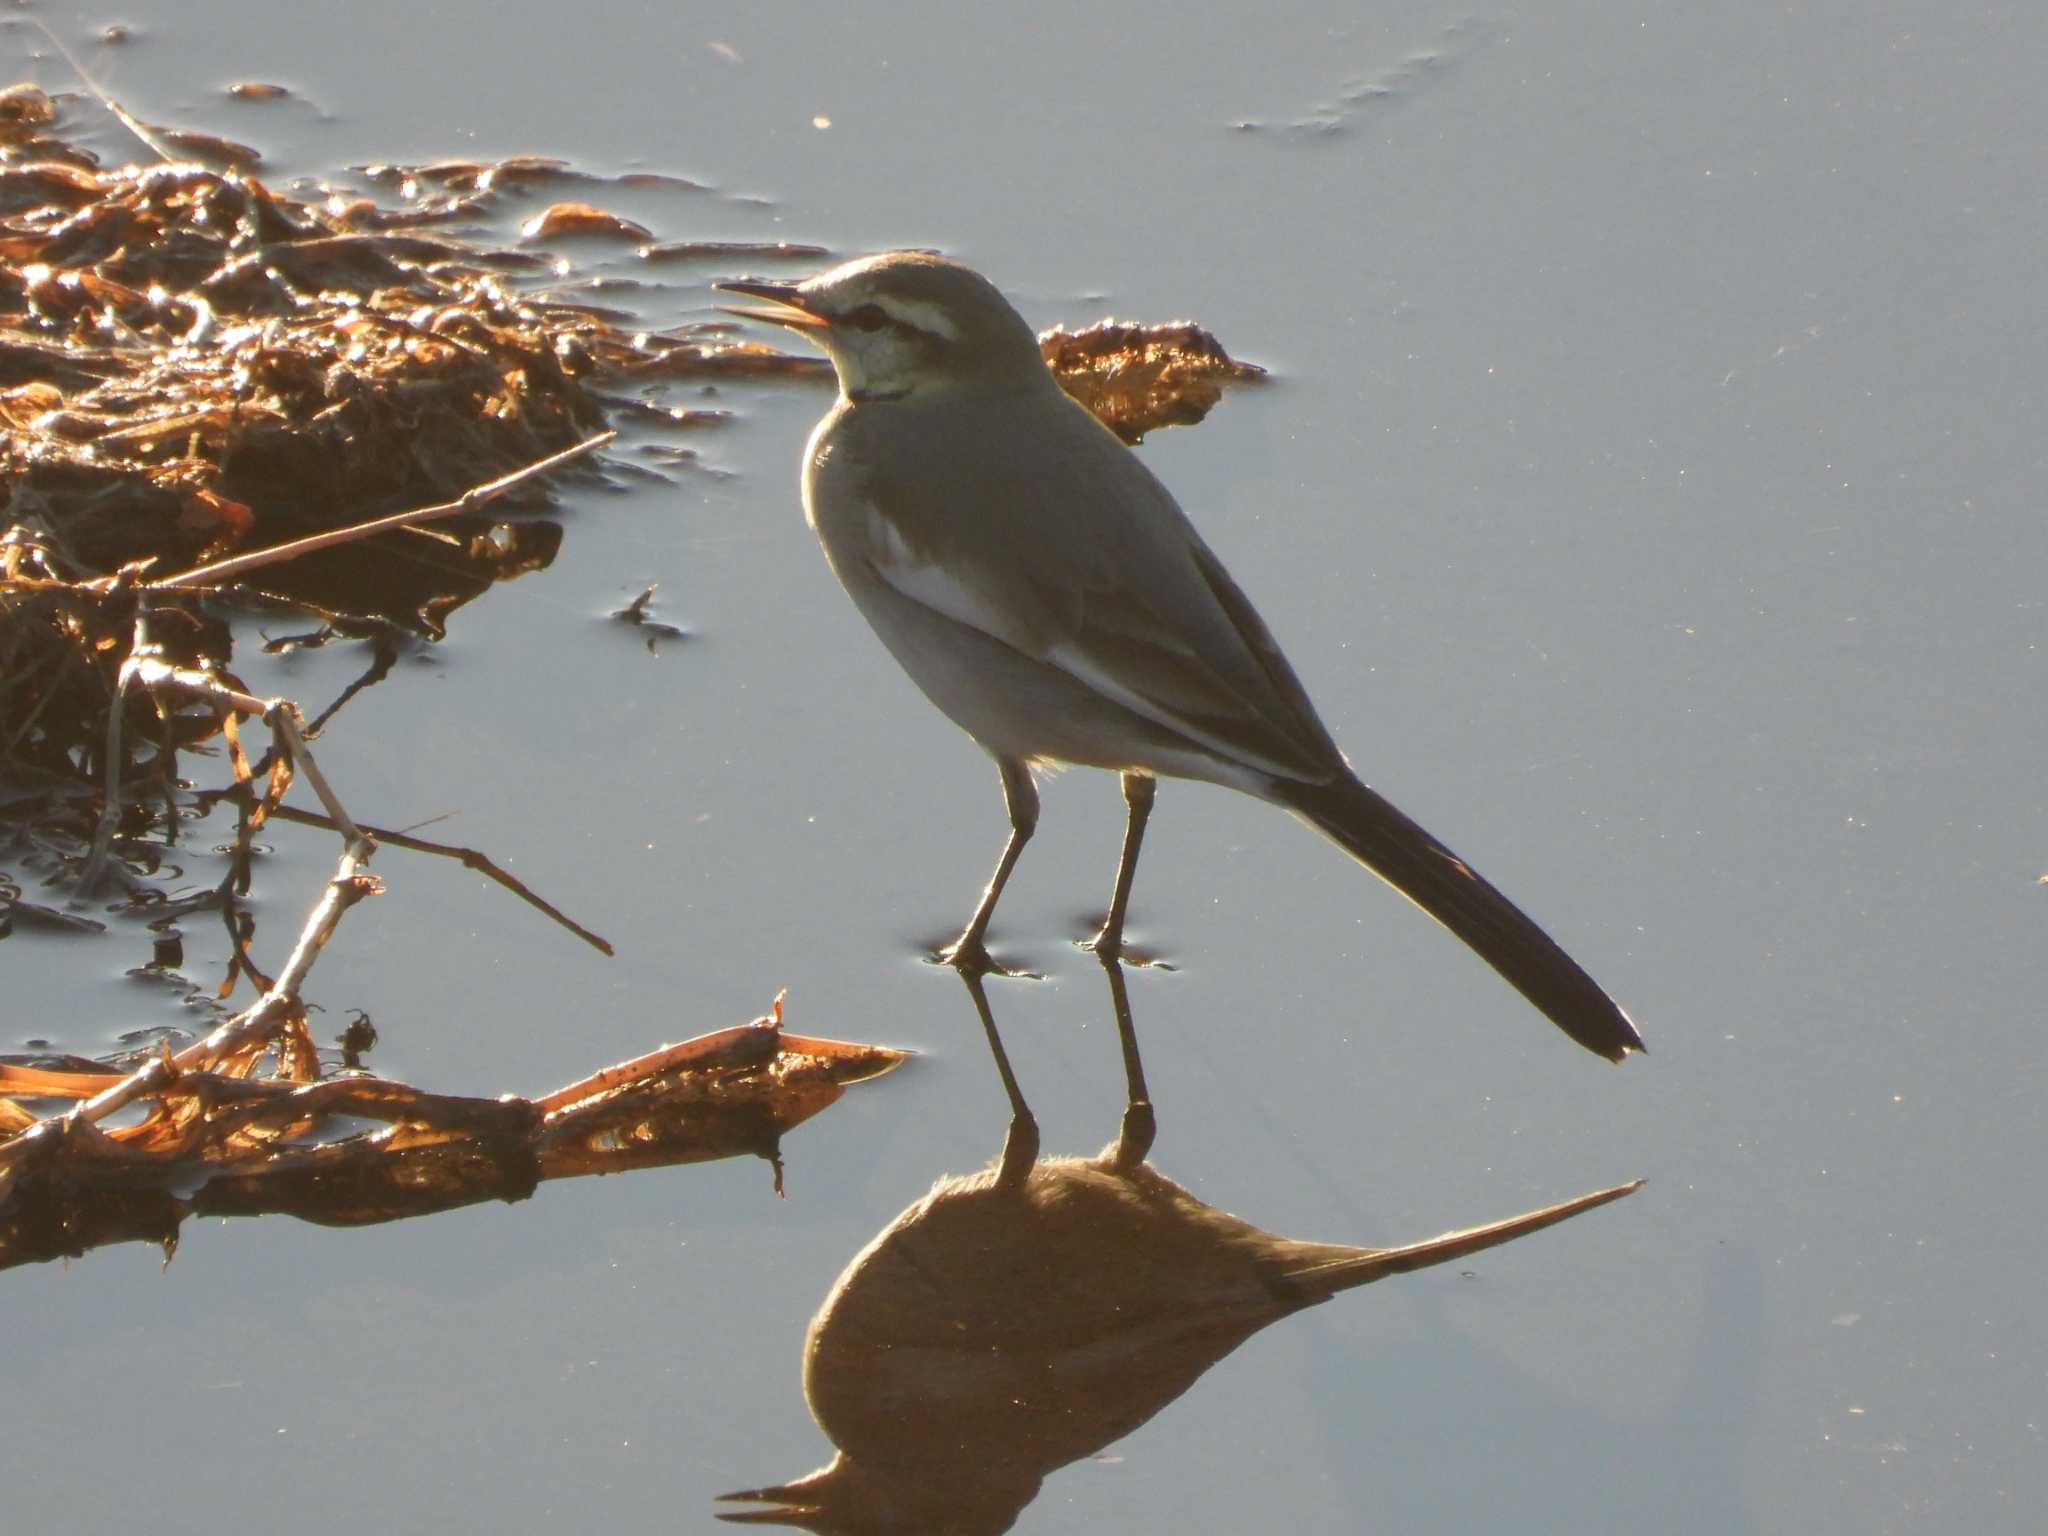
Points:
[[1020, 1318]]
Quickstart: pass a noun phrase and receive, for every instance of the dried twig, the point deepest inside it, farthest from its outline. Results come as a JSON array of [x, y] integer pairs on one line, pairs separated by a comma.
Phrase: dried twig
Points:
[[221, 571], [470, 858], [280, 1003]]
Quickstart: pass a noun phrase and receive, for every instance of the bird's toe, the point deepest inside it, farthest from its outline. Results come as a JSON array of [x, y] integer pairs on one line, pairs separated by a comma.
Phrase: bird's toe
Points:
[[970, 957]]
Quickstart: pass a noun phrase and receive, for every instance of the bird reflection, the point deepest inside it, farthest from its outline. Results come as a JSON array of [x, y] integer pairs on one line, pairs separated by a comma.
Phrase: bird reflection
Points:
[[1020, 1318]]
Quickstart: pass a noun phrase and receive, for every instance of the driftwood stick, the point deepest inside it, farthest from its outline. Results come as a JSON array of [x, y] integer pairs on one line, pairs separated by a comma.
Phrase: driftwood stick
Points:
[[349, 885], [747, 1045], [284, 717], [476, 496], [470, 858]]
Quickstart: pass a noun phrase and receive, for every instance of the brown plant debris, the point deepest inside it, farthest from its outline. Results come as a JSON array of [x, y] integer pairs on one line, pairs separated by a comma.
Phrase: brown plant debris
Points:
[[565, 219], [264, 1129], [207, 385], [733, 250], [191, 362], [194, 367], [250, 1120], [1139, 378], [23, 109]]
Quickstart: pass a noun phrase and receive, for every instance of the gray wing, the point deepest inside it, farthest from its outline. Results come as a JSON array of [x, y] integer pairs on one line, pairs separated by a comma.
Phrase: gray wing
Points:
[[1054, 538]]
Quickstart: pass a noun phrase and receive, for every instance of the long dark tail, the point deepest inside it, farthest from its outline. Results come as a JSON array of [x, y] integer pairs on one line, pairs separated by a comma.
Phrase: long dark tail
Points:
[[1368, 827]]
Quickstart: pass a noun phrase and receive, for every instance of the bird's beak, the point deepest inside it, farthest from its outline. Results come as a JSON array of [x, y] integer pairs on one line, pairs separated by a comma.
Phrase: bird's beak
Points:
[[788, 299]]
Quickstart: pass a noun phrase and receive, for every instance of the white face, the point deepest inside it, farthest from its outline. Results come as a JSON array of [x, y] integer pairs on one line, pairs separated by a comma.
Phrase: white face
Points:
[[886, 360], [880, 343], [908, 323]]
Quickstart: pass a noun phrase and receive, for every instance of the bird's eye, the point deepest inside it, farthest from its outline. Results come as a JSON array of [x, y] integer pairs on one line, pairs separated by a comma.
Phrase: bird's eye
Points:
[[869, 317]]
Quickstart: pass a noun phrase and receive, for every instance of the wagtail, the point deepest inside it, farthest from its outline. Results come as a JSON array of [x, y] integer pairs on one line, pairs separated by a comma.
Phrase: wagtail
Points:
[[1045, 590]]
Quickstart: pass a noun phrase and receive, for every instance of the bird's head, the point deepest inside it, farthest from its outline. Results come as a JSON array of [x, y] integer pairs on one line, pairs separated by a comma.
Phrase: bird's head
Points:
[[905, 323]]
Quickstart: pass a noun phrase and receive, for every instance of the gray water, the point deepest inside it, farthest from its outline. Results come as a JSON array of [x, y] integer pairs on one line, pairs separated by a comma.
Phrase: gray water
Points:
[[1647, 494]]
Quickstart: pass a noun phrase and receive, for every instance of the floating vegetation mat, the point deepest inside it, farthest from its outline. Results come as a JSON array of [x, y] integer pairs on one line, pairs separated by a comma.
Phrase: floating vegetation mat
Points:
[[193, 366]]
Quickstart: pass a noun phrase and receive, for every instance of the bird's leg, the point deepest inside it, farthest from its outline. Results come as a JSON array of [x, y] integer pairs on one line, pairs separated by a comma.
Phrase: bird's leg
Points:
[[1020, 1146], [1138, 791], [1134, 1136], [969, 953]]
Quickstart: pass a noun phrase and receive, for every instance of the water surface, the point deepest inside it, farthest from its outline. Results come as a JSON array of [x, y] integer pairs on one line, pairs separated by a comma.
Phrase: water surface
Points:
[[1647, 496]]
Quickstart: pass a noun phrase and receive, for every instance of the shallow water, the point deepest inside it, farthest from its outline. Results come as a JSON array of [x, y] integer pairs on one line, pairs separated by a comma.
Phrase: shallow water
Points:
[[1645, 494]]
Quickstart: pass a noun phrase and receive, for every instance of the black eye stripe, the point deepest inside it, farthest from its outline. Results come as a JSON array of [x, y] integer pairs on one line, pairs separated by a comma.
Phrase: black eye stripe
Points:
[[869, 317]]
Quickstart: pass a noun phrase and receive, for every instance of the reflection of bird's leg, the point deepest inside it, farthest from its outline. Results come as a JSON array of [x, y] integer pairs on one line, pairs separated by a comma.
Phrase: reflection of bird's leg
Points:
[[968, 954], [1138, 792], [1020, 1146], [1134, 1137]]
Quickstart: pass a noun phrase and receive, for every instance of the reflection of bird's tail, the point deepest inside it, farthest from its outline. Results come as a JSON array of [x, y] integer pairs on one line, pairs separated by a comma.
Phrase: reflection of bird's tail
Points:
[[1368, 827], [1365, 1265]]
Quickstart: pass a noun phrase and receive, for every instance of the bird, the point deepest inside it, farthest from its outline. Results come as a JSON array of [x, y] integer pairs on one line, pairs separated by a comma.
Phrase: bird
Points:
[[1018, 1319], [1045, 591]]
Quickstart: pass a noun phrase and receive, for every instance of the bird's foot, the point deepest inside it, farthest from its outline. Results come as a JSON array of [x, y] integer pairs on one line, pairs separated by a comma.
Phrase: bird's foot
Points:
[[1104, 945], [1113, 947], [970, 957]]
